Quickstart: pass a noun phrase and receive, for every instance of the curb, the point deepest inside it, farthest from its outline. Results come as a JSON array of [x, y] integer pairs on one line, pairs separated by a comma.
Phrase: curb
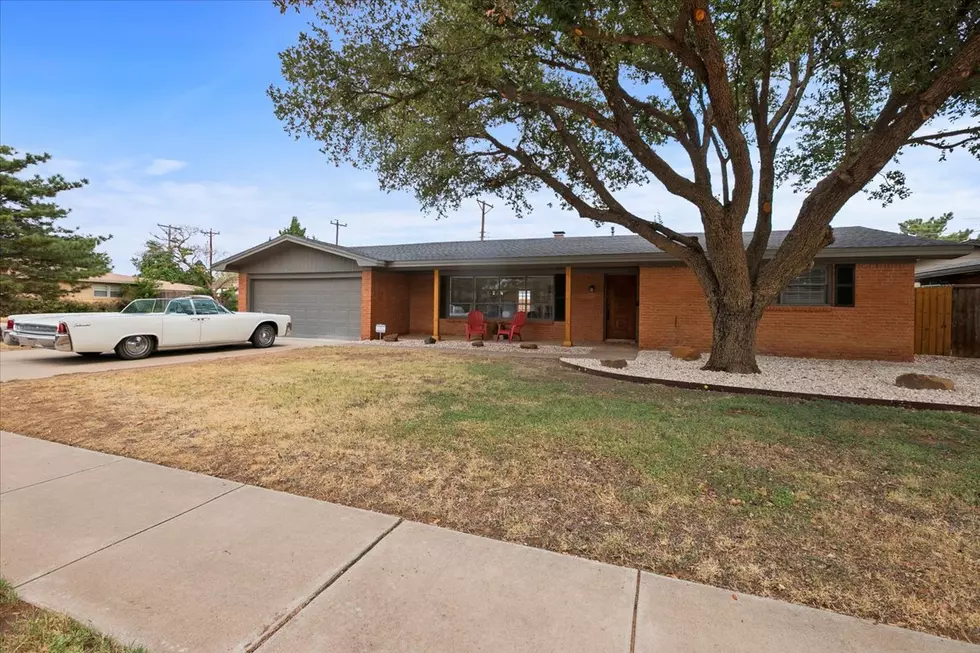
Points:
[[734, 389]]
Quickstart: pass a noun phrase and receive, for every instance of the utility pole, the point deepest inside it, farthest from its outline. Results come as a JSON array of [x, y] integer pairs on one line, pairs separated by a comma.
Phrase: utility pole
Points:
[[211, 234], [337, 226], [169, 228], [484, 209]]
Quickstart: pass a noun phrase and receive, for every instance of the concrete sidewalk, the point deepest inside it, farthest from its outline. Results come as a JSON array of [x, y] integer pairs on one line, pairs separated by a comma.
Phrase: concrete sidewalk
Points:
[[177, 561]]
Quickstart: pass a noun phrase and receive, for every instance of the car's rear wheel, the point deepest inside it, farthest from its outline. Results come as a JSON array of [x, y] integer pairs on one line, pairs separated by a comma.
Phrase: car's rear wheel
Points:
[[134, 347], [89, 354], [264, 336]]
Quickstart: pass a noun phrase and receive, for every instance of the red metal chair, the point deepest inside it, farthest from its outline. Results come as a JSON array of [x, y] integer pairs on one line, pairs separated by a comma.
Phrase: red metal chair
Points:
[[475, 325], [513, 330]]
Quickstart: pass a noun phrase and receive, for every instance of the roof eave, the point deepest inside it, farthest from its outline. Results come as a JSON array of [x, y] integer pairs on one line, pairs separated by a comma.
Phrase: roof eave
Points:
[[906, 252], [336, 250], [948, 271]]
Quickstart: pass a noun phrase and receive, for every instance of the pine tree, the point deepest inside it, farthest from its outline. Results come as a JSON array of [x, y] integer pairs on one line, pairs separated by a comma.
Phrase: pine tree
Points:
[[39, 258]]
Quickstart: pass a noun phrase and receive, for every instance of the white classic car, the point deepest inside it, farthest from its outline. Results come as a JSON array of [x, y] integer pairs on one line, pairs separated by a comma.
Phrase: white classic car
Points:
[[146, 326]]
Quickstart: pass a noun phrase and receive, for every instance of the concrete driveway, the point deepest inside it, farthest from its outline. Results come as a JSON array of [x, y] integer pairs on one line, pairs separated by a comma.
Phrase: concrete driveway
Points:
[[42, 363]]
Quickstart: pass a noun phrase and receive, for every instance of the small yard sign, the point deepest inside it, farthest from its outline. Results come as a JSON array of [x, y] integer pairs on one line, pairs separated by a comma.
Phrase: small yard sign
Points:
[[380, 329]]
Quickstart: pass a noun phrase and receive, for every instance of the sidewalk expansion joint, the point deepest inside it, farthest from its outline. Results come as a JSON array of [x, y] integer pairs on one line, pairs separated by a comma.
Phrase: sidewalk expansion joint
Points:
[[132, 535], [57, 478], [636, 606], [277, 626]]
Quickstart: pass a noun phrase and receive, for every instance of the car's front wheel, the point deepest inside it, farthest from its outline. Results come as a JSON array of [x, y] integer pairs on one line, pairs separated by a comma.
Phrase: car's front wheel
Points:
[[134, 347], [264, 336]]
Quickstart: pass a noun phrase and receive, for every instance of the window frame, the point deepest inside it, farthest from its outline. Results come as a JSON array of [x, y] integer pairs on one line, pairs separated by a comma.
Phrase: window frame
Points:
[[830, 287], [523, 301], [110, 290]]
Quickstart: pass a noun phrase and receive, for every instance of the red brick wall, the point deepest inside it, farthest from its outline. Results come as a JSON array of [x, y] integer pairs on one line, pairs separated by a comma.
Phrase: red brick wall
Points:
[[880, 325], [384, 300], [420, 289], [588, 309], [242, 292]]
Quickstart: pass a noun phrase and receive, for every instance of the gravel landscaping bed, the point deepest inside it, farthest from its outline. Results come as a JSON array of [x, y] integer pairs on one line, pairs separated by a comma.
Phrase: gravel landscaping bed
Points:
[[488, 345], [842, 378]]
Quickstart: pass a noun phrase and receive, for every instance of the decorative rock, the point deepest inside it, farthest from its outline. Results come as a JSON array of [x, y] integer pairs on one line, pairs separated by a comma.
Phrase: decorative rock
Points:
[[391, 337], [685, 353], [430, 341], [617, 363], [924, 382], [528, 345], [477, 343]]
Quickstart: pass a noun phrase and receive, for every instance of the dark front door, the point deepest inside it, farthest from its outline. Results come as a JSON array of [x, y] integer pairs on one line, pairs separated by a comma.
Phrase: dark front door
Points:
[[620, 307]]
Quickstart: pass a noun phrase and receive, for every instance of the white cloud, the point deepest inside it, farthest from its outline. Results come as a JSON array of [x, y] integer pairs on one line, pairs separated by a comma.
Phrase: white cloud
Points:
[[164, 166]]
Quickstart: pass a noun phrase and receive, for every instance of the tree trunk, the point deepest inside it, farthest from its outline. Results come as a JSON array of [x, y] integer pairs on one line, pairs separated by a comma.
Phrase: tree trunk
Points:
[[733, 341]]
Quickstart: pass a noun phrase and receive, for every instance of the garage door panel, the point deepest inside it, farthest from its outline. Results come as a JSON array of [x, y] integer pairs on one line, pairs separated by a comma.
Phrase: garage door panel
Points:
[[328, 308]]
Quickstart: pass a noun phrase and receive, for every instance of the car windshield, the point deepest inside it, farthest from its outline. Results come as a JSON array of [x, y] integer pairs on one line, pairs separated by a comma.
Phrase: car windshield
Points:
[[143, 306]]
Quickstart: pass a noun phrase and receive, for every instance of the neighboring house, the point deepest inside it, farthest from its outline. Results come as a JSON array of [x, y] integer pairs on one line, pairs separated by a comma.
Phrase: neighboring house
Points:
[[962, 270], [112, 287], [856, 302]]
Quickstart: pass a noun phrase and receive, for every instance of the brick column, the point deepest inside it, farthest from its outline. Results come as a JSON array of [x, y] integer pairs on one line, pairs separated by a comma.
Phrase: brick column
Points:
[[242, 292], [367, 295]]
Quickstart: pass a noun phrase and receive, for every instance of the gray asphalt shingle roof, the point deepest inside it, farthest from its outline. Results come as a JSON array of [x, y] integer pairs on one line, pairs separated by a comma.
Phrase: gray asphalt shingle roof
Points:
[[846, 237]]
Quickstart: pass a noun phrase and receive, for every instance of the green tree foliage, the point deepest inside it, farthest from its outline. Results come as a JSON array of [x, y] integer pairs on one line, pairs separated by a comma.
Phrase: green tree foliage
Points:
[[143, 288], [176, 259], [294, 229], [934, 228], [37, 254], [717, 102]]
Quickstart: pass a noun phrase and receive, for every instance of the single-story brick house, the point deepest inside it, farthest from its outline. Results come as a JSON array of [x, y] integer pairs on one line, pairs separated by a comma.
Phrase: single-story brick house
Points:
[[856, 301]]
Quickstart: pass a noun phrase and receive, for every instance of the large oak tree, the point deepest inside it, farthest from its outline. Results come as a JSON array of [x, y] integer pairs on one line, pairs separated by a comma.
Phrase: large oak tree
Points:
[[456, 98]]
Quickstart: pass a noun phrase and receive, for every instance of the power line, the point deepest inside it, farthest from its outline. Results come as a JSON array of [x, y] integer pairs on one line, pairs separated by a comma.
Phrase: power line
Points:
[[484, 209], [169, 228], [211, 234], [337, 225]]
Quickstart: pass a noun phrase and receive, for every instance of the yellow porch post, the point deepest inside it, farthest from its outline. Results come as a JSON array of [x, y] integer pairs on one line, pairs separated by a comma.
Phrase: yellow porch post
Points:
[[568, 307], [435, 303]]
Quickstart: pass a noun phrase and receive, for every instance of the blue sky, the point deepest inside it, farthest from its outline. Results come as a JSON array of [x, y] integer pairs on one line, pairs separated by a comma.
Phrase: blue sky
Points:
[[162, 106]]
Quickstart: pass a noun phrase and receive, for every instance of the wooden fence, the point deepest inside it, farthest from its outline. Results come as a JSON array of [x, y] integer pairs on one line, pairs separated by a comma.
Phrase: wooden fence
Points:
[[965, 340], [947, 320]]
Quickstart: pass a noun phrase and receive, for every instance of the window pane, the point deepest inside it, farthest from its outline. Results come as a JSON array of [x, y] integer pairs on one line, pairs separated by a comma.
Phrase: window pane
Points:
[[205, 307], [489, 310], [845, 274], [461, 290], [100, 291], [845, 296], [509, 290], [459, 310], [486, 289], [540, 298], [180, 307], [807, 289]]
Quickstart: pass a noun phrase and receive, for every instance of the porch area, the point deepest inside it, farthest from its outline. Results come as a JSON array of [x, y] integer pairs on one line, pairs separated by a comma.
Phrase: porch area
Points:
[[564, 307]]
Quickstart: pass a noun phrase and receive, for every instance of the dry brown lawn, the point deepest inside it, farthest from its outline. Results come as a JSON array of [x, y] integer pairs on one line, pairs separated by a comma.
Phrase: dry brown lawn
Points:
[[868, 511]]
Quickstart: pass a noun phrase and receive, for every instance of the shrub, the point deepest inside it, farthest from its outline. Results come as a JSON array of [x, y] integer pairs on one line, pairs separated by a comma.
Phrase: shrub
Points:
[[22, 305]]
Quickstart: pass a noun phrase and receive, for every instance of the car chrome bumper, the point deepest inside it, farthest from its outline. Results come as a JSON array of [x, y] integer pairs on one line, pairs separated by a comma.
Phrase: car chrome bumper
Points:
[[289, 329], [60, 342]]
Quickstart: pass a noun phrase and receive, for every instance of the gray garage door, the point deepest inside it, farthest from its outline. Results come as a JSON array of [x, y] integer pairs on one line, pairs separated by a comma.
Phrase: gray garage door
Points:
[[328, 308]]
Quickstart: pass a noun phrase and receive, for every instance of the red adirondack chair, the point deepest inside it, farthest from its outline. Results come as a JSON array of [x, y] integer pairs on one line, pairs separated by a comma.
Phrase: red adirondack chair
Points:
[[475, 325], [513, 330]]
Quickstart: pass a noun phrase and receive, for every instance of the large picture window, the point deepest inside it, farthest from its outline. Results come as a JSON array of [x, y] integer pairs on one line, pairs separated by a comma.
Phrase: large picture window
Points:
[[822, 285], [503, 297]]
